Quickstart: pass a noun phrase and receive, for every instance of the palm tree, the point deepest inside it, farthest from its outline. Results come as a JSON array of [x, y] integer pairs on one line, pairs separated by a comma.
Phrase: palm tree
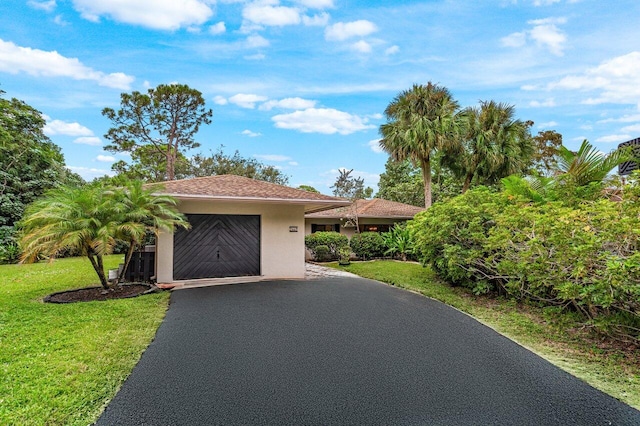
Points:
[[588, 164], [421, 121], [496, 145], [77, 219], [141, 212]]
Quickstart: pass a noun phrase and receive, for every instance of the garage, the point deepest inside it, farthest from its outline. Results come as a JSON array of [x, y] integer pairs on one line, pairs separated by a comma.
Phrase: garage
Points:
[[217, 246]]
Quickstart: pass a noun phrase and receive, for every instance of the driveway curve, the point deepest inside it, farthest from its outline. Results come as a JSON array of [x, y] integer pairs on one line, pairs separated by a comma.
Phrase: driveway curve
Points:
[[343, 351]]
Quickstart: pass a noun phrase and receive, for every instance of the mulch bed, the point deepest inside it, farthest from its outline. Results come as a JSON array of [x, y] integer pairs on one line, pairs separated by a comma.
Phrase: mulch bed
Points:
[[98, 293]]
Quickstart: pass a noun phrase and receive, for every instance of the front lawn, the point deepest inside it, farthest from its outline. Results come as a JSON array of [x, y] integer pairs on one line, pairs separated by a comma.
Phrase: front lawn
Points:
[[61, 364], [614, 371]]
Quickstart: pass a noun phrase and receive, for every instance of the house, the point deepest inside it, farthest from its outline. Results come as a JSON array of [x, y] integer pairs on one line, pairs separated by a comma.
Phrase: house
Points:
[[375, 215], [239, 227]]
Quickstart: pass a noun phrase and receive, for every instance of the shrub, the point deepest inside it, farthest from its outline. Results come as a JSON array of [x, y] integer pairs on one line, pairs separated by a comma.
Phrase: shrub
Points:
[[367, 245], [323, 253], [399, 242], [9, 249], [333, 240]]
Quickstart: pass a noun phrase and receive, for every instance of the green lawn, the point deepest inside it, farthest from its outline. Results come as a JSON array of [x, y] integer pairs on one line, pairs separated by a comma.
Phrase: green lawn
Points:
[[612, 371], [61, 364]]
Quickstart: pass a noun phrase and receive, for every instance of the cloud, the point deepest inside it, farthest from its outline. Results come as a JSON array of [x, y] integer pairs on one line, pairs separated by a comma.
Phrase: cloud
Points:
[[545, 2], [547, 125], [246, 100], [46, 5], [59, 20], [256, 57], [617, 80], [270, 15], [218, 28], [375, 146], [321, 120], [550, 102], [316, 4], [89, 173], [293, 163], [89, 140], [59, 127], [319, 20], [105, 158], [155, 14], [632, 129], [624, 119], [544, 32], [255, 41], [273, 157], [288, 103], [251, 134], [614, 138], [361, 46], [35, 62], [392, 50], [220, 100], [343, 31]]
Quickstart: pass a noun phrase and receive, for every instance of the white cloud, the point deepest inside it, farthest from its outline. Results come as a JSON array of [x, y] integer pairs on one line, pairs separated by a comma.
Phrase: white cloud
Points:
[[545, 2], [35, 62], [155, 14], [316, 4], [623, 119], [321, 120], [89, 173], [271, 15], [343, 31], [361, 46], [59, 127], [105, 158], [59, 20], [550, 102], [220, 100], [255, 41], [547, 125], [247, 100], [632, 129], [46, 5], [256, 57], [544, 32], [293, 163], [375, 146], [288, 103], [319, 20], [617, 80], [392, 50], [251, 134], [88, 140], [218, 28], [273, 157], [614, 138]]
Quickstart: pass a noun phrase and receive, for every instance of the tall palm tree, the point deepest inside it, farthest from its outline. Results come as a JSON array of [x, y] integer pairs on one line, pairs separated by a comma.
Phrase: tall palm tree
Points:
[[141, 212], [495, 144], [80, 219], [420, 122], [588, 164]]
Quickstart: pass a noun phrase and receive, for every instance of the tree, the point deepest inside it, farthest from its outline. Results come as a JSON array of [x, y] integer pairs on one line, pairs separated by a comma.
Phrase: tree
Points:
[[401, 182], [90, 220], [421, 121], [167, 119], [587, 165], [309, 189], [350, 187], [496, 145], [546, 149]]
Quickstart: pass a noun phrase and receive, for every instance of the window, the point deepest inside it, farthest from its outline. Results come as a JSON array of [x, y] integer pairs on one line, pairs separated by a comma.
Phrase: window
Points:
[[375, 228], [325, 228]]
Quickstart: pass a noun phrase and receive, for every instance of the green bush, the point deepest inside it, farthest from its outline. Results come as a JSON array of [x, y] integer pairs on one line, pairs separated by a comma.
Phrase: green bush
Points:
[[323, 254], [333, 240], [399, 242], [367, 245], [9, 249]]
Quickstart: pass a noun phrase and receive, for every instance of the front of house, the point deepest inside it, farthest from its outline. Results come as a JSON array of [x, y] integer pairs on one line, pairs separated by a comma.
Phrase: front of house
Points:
[[240, 227]]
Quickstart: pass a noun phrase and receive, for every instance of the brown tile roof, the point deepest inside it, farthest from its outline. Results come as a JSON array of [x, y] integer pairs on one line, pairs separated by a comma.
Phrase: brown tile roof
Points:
[[375, 208], [239, 188]]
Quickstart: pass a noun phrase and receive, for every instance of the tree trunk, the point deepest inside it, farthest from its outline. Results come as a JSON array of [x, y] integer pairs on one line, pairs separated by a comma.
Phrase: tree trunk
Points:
[[426, 176], [467, 182], [171, 163], [99, 268], [127, 260]]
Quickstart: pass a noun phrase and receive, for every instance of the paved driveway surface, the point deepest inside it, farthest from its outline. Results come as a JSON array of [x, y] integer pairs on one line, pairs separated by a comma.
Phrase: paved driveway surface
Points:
[[343, 351]]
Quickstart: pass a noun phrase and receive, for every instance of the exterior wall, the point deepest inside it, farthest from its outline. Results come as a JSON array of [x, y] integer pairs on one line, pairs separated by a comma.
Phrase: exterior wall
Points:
[[281, 251]]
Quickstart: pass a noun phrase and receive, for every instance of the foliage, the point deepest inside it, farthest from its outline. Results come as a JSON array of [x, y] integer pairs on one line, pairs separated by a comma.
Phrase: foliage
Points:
[[333, 240], [308, 189], [420, 122], [9, 249], [344, 255], [401, 182], [61, 364], [30, 163], [162, 123], [350, 187], [90, 220], [367, 245], [578, 256], [399, 242], [495, 145], [587, 165], [546, 149], [322, 253]]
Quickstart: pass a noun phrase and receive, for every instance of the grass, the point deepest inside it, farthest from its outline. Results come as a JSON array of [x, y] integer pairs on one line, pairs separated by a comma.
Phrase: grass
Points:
[[613, 371], [61, 364]]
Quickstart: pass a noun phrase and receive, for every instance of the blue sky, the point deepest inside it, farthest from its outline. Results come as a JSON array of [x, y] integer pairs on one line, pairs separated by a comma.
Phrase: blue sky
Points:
[[303, 84]]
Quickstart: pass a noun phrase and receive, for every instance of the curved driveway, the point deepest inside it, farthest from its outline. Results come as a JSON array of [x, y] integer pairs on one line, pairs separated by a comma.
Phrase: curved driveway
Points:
[[343, 351]]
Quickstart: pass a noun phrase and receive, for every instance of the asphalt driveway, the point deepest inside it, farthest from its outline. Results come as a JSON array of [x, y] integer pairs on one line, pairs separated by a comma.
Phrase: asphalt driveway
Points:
[[343, 351]]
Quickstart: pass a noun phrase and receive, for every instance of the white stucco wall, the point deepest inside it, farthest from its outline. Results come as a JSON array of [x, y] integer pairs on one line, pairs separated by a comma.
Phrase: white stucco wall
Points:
[[281, 251]]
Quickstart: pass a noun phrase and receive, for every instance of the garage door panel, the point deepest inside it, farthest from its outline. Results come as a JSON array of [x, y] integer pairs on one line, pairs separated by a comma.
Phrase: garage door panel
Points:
[[217, 246]]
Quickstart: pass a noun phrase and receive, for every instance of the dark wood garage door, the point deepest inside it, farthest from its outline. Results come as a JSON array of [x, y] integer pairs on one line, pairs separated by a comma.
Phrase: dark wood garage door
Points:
[[217, 246]]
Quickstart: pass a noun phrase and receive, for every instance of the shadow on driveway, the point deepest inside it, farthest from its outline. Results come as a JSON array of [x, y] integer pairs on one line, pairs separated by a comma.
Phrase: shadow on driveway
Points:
[[343, 351]]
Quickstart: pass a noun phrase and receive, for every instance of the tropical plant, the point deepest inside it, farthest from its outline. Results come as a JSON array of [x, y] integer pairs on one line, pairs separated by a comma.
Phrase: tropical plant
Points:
[[399, 242], [420, 122], [588, 164]]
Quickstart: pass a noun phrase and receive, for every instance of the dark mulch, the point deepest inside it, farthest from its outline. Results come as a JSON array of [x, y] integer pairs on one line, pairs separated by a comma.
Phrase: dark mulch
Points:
[[98, 293]]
